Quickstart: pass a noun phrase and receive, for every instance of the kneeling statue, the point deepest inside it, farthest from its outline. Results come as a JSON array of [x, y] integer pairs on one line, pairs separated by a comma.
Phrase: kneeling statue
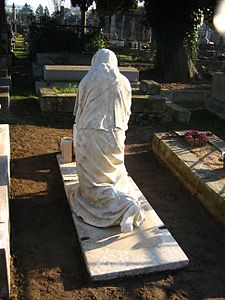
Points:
[[104, 197]]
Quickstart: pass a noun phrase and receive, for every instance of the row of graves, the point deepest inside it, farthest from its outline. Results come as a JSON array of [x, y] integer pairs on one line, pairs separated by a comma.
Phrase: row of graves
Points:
[[148, 99], [54, 72], [5, 85]]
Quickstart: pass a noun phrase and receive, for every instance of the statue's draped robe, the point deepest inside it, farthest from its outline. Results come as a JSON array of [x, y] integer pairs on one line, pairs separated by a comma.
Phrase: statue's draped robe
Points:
[[102, 110]]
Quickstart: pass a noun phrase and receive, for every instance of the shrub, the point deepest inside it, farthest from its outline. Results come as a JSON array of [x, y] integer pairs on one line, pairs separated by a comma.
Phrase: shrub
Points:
[[52, 37]]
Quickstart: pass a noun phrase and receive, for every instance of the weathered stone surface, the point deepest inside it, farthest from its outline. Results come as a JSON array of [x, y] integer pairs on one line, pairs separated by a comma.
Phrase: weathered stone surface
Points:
[[158, 136], [5, 61], [5, 102], [37, 71], [186, 96], [4, 261], [76, 73], [218, 87], [150, 87], [217, 142], [196, 96], [198, 177], [4, 211], [111, 254], [6, 81], [148, 103], [212, 196], [4, 89], [216, 107], [167, 93], [52, 102], [40, 84], [178, 113], [63, 59], [3, 72]]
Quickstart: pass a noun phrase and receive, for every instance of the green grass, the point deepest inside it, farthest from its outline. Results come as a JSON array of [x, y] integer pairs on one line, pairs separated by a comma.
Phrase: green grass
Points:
[[23, 93], [66, 90]]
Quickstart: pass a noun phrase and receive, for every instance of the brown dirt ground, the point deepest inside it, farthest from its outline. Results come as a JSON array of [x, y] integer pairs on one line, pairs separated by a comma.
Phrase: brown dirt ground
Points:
[[47, 263]]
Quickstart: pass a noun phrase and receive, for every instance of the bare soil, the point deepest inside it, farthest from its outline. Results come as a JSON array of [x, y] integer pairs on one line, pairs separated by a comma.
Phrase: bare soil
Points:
[[47, 263]]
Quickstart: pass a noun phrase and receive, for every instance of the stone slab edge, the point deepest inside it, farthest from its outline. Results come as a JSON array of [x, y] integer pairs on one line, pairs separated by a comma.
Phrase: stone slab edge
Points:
[[197, 177], [4, 211], [107, 260]]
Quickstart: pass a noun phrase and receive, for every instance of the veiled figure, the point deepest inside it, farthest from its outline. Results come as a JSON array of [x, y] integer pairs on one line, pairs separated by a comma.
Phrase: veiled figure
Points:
[[102, 111]]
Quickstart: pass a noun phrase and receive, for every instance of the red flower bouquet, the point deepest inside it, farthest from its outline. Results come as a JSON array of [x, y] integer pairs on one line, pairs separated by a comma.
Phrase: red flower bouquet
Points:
[[195, 138]]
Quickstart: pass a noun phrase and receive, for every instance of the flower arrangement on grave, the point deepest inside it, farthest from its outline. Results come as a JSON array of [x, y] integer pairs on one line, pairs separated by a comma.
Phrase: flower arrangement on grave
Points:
[[196, 138]]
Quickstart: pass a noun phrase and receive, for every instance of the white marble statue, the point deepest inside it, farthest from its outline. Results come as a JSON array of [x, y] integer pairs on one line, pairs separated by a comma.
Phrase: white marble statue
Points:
[[102, 112]]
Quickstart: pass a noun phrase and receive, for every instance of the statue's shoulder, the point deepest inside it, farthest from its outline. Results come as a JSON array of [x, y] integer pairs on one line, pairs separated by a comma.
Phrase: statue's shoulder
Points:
[[123, 81]]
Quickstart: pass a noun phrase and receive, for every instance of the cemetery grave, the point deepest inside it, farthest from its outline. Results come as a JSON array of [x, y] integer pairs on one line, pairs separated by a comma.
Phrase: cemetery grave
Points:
[[4, 211], [109, 254], [147, 96], [199, 168], [5, 86]]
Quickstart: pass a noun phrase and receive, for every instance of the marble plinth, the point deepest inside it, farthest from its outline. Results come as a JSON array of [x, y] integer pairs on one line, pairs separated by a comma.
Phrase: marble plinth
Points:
[[108, 253]]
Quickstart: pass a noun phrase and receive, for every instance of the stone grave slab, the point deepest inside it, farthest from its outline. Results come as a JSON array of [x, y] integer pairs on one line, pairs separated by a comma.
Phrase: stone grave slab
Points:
[[4, 101], [6, 81], [63, 58], [109, 254], [3, 72], [178, 113], [4, 211], [198, 176], [4, 89], [148, 103], [50, 101], [218, 87], [216, 103], [76, 73], [4, 262]]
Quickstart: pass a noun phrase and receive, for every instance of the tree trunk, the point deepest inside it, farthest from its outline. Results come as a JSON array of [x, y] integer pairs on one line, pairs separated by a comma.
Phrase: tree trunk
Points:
[[177, 67], [83, 20]]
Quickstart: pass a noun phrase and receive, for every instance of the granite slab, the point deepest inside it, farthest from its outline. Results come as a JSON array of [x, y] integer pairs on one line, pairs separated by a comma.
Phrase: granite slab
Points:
[[109, 254]]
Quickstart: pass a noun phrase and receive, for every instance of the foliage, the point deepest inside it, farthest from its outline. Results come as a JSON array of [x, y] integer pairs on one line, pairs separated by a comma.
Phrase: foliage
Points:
[[24, 17], [83, 4], [174, 25], [39, 11], [93, 41], [66, 90], [117, 6], [51, 37]]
